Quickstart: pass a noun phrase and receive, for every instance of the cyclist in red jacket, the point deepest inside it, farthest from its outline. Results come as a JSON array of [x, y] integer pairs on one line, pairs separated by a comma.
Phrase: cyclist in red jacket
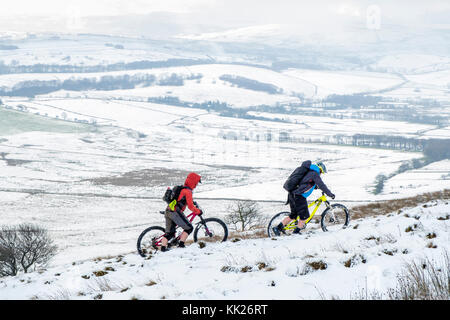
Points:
[[177, 217]]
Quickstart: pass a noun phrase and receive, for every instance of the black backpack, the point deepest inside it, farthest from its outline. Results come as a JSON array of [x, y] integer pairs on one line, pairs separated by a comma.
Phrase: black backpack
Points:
[[171, 196], [296, 177]]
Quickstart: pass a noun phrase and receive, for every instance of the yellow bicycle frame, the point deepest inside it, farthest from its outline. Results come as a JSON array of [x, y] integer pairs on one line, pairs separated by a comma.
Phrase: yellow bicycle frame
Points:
[[317, 202]]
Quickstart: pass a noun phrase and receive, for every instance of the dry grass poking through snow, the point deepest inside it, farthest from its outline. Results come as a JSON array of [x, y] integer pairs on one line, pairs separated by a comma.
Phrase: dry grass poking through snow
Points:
[[384, 207], [420, 280]]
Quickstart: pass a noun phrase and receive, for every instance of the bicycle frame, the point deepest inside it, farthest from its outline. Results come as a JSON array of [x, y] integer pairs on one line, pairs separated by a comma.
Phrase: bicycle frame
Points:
[[318, 202], [191, 218]]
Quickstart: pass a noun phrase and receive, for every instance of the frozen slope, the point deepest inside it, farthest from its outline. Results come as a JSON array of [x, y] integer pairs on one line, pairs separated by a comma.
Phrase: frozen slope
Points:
[[366, 256]]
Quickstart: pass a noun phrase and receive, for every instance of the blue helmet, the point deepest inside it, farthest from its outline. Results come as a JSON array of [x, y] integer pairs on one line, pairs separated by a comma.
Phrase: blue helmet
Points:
[[322, 167]]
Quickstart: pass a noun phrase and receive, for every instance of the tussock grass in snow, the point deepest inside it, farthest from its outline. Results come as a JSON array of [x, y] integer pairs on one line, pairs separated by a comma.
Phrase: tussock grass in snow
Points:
[[424, 280], [243, 265], [384, 207], [59, 294], [354, 260], [420, 279], [104, 284]]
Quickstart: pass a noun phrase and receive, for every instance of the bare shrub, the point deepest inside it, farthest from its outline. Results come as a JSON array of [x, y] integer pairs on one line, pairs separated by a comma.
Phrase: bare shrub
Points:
[[8, 256], [24, 247], [244, 215]]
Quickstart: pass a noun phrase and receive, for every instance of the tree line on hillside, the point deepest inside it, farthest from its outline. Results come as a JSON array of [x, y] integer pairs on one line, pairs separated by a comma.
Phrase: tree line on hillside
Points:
[[353, 100], [8, 47], [210, 105], [32, 88], [433, 149], [120, 66], [246, 83]]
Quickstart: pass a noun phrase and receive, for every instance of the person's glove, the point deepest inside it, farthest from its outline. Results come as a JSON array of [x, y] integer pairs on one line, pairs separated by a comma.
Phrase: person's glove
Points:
[[333, 196], [200, 213]]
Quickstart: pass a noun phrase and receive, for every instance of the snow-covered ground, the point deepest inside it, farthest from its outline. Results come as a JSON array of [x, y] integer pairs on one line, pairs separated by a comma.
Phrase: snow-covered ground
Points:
[[364, 258]]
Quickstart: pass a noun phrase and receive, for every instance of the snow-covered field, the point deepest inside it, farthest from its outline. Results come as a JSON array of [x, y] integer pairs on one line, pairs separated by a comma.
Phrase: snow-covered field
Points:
[[329, 82], [252, 159], [412, 63], [87, 50], [363, 259], [313, 84], [435, 174]]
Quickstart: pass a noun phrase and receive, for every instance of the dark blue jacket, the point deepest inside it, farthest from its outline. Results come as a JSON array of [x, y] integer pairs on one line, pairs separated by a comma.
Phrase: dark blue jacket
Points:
[[310, 181]]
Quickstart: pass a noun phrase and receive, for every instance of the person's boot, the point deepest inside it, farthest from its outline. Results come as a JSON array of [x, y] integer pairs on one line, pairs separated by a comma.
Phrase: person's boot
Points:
[[181, 244], [278, 229], [164, 249], [298, 230]]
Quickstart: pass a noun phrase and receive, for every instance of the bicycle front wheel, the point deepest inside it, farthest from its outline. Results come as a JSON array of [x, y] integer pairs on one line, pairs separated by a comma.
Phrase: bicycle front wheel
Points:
[[335, 218], [149, 240], [212, 230]]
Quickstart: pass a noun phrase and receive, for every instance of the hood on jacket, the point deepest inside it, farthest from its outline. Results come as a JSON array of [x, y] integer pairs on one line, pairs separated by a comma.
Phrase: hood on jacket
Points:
[[315, 168], [192, 180]]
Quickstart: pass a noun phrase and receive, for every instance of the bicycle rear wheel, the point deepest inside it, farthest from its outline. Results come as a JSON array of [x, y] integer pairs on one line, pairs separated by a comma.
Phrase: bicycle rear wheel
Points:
[[149, 239], [275, 221], [335, 218], [212, 230]]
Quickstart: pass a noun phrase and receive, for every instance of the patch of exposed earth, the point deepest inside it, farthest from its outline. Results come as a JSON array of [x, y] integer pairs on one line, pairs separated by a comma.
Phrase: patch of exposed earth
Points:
[[143, 178]]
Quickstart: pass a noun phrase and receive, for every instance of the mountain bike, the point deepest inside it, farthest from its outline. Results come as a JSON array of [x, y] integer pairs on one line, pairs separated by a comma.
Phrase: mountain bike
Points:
[[206, 230], [333, 218]]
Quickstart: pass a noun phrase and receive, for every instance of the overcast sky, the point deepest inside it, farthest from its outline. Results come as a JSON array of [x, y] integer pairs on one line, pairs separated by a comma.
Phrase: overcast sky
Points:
[[194, 15]]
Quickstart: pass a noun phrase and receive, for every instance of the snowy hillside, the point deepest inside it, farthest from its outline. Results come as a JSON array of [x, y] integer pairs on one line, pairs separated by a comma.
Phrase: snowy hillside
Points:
[[364, 258], [94, 128]]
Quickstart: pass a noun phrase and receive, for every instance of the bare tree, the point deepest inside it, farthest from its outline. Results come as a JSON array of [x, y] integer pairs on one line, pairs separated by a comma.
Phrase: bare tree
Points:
[[8, 243], [24, 247], [244, 215]]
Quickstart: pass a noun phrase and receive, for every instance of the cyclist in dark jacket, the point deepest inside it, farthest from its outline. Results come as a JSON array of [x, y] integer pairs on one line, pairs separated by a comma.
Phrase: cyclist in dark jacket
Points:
[[176, 217], [297, 198]]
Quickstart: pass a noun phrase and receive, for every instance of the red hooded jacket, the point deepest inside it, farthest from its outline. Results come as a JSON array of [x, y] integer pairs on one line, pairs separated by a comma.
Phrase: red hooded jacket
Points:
[[191, 182]]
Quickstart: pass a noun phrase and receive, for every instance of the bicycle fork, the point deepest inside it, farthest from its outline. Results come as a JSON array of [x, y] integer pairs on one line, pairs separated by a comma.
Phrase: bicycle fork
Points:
[[332, 216], [207, 232]]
